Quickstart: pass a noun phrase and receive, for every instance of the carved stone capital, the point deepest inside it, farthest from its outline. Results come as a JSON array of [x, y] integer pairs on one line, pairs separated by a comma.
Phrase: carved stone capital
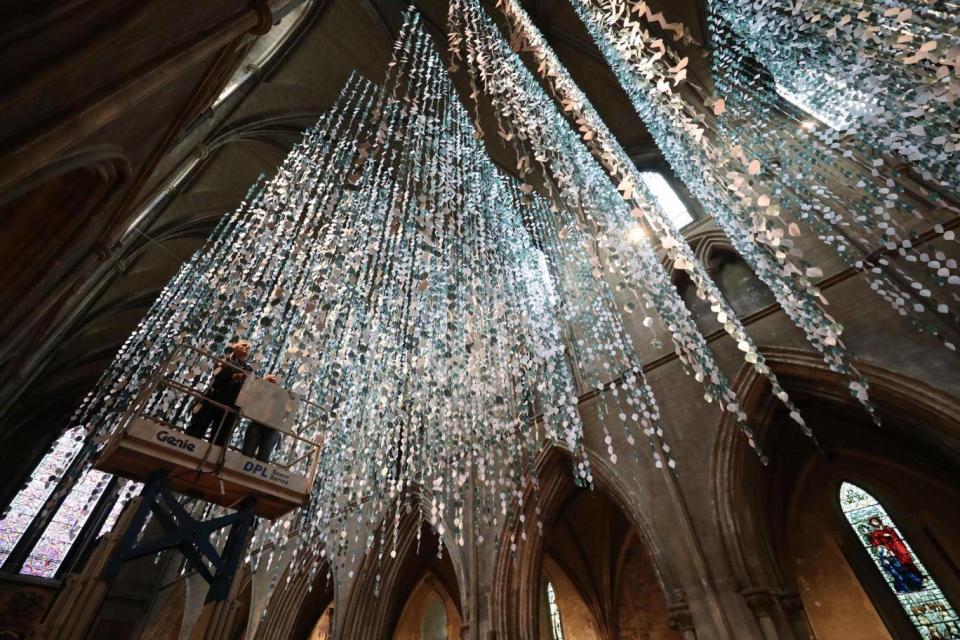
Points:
[[760, 601], [680, 617]]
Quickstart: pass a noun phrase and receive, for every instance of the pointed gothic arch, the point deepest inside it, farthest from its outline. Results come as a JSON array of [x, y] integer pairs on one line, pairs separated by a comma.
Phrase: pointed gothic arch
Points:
[[295, 604], [429, 601], [522, 551], [740, 286], [786, 540], [381, 585]]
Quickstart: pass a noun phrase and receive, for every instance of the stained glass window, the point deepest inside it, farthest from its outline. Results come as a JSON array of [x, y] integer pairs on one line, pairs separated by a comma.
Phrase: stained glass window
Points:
[[433, 625], [45, 558], [27, 504], [65, 526], [667, 198], [920, 597], [127, 490], [556, 626]]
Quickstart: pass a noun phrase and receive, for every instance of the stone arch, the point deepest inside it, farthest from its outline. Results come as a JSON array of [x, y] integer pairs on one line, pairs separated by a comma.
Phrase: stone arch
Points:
[[298, 600], [742, 289], [380, 586], [783, 534], [738, 283], [409, 624], [519, 564], [74, 193]]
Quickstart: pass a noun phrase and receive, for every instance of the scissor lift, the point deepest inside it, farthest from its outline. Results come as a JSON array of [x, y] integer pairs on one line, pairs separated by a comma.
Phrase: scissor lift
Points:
[[151, 446], [148, 442]]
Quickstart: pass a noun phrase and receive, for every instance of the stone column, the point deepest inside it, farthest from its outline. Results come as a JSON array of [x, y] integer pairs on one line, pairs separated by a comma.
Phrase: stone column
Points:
[[681, 620], [796, 615], [762, 604]]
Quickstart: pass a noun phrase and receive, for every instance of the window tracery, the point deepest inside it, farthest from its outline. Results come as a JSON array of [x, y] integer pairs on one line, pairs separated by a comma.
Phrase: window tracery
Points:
[[46, 556], [71, 515], [556, 624], [28, 502], [920, 596]]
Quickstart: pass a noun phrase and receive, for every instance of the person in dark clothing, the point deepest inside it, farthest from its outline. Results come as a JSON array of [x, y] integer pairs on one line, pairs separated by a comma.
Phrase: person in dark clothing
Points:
[[260, 439], [227, 381]]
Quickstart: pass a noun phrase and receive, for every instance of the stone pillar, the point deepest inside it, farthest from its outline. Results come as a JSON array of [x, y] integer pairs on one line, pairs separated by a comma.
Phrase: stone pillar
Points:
[[77, 605], [796, 615], [681, 620], [762, 605], [221, 621]]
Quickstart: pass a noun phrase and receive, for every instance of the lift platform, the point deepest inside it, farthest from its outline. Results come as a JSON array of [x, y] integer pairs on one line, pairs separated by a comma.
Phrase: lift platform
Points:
[[152, 439]]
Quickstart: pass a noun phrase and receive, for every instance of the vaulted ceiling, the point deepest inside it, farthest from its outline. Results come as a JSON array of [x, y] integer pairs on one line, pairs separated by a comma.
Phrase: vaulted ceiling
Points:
[[61, 339]]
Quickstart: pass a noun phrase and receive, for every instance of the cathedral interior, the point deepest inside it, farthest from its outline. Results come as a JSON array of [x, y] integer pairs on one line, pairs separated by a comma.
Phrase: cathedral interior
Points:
[[600, 319]]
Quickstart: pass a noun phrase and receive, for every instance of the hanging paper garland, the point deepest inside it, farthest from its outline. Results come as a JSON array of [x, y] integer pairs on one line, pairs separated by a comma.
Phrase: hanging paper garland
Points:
[[722, 179], [887, 73], [530, 121], [601, 142], [751, 185], [390, 274], [837, 176]]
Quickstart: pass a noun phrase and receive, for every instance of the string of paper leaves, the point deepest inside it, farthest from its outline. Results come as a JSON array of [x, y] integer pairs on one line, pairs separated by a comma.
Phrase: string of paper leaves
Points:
[[884, 72], [540, 134], [439, 313], [760, 178], [390, 274]]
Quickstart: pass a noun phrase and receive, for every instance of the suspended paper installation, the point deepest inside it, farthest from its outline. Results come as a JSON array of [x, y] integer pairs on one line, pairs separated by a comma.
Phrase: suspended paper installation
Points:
[[392, 275], [851, 200], [744, 203], [845, 177], [885, 72], [528, 120]]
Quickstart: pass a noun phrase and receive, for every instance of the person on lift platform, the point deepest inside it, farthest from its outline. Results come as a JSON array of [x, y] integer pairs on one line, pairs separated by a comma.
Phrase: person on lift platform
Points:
[[260, 440], [226, 385]]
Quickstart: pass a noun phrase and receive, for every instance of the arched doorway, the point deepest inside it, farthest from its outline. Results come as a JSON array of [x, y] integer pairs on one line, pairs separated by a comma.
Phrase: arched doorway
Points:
[[606, 577], [394, 585], [430, 613], [806, 567], [300, 608]]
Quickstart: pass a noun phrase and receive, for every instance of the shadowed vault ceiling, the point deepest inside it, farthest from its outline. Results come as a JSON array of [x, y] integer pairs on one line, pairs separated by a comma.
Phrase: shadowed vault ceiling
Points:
[[243, 135]]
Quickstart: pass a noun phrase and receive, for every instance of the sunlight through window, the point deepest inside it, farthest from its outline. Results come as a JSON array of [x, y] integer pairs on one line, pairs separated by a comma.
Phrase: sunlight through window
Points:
[[556, 627], [828, 100], [667, 198]]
